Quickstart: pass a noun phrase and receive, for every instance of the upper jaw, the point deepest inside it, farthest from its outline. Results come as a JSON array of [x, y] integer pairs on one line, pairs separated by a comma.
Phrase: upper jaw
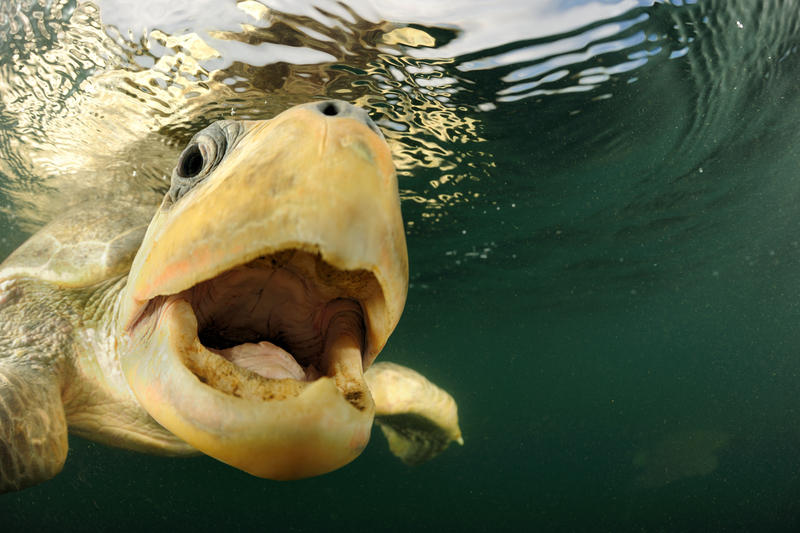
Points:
[[329, 190], [314, 204]]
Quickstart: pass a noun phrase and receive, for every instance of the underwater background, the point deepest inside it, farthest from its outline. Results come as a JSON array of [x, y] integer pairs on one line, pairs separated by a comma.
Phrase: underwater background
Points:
[[603, 220]]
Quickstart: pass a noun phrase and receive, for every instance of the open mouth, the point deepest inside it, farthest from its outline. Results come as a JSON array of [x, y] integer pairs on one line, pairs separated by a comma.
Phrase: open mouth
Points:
[[267, 329]]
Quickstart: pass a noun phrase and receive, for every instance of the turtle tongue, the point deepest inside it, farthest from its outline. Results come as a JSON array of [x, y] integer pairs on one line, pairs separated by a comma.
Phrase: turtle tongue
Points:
[[266, 360]]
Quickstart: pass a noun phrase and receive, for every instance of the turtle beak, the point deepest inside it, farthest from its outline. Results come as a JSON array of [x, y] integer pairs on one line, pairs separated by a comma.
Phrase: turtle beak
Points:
[[304, 207]]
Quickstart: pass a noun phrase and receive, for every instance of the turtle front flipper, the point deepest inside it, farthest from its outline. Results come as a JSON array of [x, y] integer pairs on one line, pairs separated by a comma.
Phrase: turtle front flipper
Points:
[[33, 428], [418, 418]]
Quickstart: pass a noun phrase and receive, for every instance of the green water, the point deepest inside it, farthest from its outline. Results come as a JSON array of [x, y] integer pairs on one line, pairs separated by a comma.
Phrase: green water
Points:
[[606, 282]]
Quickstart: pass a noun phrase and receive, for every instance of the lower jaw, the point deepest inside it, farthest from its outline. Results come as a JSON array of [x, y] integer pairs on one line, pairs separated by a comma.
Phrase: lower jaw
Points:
[[274, 428], [341, 360]]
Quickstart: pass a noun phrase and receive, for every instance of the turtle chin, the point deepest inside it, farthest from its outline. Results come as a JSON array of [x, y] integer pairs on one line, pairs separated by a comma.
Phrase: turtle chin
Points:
[[260, 367]]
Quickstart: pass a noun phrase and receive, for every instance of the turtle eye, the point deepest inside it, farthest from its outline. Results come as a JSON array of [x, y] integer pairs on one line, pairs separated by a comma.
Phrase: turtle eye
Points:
[[191, 163], [200, 157]]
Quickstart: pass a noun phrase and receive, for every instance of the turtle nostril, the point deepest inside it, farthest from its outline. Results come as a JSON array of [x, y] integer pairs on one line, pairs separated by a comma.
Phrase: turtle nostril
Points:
[[339, 109], [330, 110]]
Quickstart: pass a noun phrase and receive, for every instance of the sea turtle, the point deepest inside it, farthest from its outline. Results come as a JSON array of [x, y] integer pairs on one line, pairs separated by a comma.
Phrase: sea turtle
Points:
[[237, 322]]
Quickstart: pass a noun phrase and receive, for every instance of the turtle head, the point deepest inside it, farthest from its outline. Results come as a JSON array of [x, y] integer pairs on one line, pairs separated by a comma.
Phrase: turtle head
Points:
[[268, 281]]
